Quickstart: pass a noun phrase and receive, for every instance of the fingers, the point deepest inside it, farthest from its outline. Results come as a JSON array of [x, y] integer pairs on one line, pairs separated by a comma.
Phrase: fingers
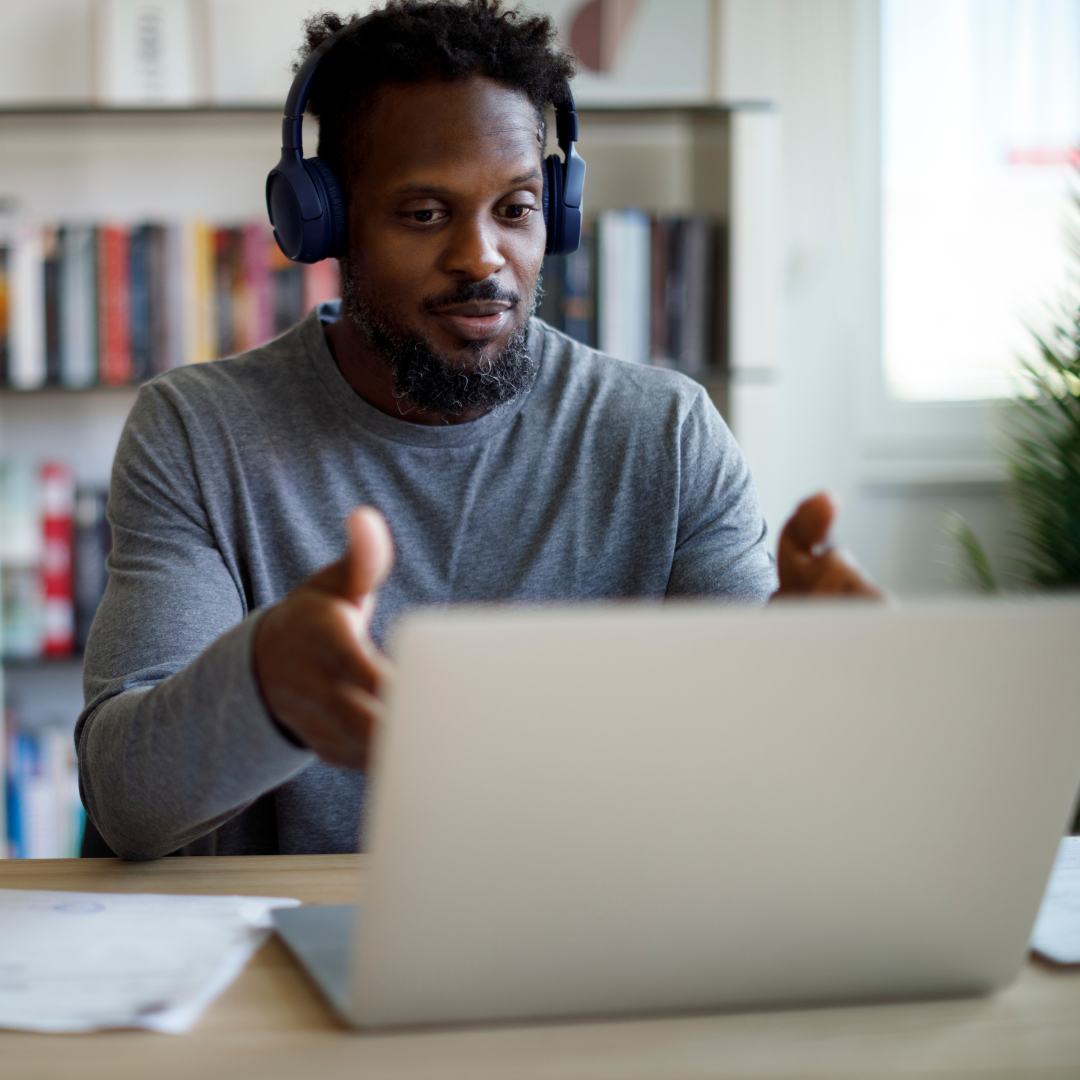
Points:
[[808, 528], [337, 722], [320, 674], [310, 635], [836, 574], [806, 561]]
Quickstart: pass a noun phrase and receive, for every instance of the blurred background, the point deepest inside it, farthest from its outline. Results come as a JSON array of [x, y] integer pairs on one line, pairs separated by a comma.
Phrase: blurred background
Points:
[[847, 218]]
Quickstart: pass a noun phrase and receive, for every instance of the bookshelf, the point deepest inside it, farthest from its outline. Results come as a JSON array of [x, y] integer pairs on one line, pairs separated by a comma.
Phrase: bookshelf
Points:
[[80, 162], [85, 162]]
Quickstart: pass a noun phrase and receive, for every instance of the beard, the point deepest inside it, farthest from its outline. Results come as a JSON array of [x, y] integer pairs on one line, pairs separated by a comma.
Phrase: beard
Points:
[[424, 378]]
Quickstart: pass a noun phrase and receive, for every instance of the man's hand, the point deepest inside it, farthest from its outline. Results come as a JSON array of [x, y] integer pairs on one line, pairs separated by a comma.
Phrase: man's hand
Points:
[[807, 562], [320, 673]]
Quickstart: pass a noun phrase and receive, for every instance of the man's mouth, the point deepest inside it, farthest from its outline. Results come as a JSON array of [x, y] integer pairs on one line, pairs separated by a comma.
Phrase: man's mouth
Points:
[[477, 320]]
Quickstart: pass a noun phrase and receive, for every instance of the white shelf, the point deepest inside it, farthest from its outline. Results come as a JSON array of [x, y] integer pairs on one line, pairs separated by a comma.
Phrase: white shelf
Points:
[[80, 427]]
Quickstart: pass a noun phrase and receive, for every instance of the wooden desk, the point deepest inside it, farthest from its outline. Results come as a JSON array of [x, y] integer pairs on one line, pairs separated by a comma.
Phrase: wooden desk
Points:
[[272, 1023]]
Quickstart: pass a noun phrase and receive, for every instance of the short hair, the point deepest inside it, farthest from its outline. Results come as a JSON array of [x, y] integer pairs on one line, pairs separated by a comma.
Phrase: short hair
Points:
[[409, 41]]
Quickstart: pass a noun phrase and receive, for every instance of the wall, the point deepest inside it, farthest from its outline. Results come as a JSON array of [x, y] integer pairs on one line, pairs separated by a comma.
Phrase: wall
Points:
[[44, 53]]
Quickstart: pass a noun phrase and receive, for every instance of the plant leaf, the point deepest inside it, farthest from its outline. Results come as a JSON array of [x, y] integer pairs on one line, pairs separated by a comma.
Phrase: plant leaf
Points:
[[979, 571]]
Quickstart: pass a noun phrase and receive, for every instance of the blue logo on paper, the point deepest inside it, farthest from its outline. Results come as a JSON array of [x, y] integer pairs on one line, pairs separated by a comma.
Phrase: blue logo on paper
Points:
[[80, 907]]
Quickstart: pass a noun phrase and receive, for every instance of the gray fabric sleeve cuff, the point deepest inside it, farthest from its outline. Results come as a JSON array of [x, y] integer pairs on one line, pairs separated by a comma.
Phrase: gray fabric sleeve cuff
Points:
[[163, 765]]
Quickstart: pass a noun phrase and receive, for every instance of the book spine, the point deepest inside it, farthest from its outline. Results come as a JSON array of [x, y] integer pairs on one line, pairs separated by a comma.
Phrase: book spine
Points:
[[258, 321], [21, 554], [59, 769], [26, 364], [625, 285], [579, 284], [5, 785], [235, 283], [224, 300], [57, 572], [22, 771], [158, 297], [177, 331], [200, 308], [93, 542], [51, 268], [114, 295], [660, 275], [699, 262], [675, 292], [139, 301], [78, 307], [5, 321]]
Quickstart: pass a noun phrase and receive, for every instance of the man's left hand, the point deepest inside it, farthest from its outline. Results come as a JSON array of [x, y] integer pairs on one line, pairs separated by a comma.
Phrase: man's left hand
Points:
[[807, 561]]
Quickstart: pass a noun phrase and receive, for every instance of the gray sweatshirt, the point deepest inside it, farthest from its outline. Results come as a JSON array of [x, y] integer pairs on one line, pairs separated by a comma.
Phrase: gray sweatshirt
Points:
[[231, 485]]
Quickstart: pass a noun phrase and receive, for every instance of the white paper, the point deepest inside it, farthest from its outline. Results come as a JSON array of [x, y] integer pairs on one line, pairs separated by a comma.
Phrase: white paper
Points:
[[1057, 929], [85, 961]]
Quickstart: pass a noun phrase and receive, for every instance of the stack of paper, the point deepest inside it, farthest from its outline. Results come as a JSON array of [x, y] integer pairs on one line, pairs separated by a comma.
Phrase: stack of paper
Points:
[[1057, 929], [85, 961]]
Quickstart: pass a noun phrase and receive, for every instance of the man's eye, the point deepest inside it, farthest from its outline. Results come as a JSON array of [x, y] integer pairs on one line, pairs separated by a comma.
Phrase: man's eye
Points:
[[516, 211], [424, 216]]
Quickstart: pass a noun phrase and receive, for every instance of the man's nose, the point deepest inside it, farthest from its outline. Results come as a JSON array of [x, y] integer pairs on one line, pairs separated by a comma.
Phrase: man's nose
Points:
[[473, 251]]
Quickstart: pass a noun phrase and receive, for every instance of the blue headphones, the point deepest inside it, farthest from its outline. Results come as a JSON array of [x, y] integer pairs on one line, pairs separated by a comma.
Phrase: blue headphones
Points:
[[307, 208]]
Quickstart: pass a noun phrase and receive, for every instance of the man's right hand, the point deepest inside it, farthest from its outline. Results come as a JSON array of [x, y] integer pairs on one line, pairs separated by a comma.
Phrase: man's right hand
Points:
[[320, 674]]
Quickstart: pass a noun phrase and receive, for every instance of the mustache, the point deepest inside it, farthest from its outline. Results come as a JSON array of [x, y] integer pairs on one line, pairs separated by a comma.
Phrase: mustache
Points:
[[469, 291]]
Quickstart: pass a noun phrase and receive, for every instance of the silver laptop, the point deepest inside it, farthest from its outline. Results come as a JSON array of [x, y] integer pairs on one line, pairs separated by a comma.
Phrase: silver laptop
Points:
[[645, 808]]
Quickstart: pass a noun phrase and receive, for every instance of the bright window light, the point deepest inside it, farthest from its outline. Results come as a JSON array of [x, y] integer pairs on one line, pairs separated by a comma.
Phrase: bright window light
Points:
[[981, 124]]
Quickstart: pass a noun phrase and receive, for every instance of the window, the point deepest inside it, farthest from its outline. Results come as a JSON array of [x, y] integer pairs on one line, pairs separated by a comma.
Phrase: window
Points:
[[981, 123]]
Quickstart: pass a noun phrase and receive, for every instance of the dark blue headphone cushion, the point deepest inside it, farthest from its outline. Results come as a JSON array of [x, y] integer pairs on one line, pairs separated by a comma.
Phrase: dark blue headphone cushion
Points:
[[334, 200], [553, 204]]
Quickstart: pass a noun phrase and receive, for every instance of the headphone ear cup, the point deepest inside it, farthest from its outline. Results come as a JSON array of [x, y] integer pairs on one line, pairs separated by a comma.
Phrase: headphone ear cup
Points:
[[553, 204], [329, 189], [283, 207]]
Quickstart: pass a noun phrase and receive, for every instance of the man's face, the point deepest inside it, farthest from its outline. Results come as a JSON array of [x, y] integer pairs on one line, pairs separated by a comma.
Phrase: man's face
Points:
[[447, 235]]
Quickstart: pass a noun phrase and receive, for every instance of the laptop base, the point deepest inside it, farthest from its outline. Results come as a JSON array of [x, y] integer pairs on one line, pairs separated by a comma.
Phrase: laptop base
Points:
[[319, 937]]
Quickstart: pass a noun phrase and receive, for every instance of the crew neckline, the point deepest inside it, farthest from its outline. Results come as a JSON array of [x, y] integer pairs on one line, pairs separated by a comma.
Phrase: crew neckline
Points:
[[362, 412]]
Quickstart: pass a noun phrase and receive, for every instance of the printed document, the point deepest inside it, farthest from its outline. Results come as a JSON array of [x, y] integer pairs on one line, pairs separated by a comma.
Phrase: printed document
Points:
[[85, 961], [1057, 929]]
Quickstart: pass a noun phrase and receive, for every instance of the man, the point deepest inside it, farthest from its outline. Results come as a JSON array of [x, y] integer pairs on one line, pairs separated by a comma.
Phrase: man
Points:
[[232, 685]]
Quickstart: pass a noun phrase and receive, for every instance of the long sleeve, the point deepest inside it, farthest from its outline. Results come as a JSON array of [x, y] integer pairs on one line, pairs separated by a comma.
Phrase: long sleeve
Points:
[[174, 739], [721, 544]]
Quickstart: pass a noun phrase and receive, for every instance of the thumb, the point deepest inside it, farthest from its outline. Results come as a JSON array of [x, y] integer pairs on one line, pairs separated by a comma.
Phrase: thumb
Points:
[[370, 555], [366, 562]]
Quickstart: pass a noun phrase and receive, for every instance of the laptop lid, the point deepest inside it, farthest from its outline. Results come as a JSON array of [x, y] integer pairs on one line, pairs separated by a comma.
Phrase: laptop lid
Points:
[[638, 808]]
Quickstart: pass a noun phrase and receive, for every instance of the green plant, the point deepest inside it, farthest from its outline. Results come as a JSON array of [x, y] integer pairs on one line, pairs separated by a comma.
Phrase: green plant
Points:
[[1042, 460], [975, 566]]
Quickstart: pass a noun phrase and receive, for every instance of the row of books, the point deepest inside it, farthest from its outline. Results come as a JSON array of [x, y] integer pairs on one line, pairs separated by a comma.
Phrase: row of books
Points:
[[112, 304], [645, 289], [45, 816], [54, 540]]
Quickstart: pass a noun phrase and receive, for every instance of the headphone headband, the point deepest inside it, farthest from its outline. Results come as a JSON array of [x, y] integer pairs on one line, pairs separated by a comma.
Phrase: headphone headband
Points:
[[292, 126]]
